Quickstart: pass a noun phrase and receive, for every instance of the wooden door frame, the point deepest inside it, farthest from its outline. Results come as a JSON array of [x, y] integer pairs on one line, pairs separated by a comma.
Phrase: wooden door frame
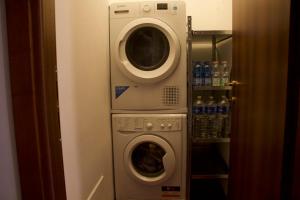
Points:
[[291, 163], [33, 75]]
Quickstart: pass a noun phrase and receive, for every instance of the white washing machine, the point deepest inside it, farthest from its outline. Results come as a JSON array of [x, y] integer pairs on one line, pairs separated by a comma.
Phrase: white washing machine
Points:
[[148, 56], [149, 156]]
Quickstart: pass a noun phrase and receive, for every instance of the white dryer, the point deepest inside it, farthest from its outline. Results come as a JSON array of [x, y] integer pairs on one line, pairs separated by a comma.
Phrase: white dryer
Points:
[[149, 156], [148, 56]]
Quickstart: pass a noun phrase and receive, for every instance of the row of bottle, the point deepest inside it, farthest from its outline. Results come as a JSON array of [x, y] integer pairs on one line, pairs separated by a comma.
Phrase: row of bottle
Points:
[[211, 73], [211, 119]]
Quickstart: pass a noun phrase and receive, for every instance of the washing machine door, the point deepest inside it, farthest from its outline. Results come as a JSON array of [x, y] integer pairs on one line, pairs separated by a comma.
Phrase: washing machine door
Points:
[[147, 50], [149, 159]]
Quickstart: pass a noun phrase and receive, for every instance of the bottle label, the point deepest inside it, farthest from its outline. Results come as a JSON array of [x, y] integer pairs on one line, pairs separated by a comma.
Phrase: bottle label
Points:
[[223, 110], [198, 110], [211, 110], [195, 110], [201, 110], [208, 81], [224, 81], [216, 82]]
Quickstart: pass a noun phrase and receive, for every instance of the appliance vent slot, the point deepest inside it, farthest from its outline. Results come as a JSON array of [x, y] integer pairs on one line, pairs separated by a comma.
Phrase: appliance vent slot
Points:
[[170, 95]]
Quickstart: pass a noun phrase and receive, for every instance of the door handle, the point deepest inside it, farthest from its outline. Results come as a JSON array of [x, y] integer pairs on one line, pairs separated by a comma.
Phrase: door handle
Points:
[[234, 83], [233, 99]]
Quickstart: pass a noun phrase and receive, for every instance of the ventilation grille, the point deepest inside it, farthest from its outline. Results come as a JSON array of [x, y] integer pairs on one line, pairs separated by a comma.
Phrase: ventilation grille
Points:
[[170, 96]]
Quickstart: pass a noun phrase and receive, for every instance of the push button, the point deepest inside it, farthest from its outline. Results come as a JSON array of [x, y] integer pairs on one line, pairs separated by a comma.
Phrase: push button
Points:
[[149, 125]]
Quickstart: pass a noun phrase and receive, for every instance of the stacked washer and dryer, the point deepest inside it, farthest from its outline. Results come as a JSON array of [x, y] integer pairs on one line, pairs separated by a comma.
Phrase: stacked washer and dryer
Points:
[[149, 99]]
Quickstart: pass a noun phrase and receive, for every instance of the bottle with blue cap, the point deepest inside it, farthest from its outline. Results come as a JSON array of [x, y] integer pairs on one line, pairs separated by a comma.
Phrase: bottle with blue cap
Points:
[[207, 74], [197, 74]]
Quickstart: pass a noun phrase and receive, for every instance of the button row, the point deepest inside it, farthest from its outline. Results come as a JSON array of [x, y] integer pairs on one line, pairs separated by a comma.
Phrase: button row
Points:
[[149, 125]]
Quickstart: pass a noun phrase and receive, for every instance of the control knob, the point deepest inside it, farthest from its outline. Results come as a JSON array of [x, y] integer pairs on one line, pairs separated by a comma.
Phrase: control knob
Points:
[[147, 8]]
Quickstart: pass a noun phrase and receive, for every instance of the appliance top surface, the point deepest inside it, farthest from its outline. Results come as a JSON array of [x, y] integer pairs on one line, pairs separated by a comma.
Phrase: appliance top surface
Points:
[[149, 115], [133, 9], [143, 1]]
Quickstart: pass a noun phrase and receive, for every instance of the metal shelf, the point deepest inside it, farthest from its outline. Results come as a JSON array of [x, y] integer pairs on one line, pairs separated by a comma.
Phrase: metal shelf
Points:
[[206, 167], [210, 176], [207, 164], [201, 88], [209, 36], [197, 140], [207, 190]]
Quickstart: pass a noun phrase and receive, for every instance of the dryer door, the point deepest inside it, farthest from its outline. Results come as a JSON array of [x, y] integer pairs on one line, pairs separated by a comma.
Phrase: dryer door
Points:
[[149, 159], [147, 50]]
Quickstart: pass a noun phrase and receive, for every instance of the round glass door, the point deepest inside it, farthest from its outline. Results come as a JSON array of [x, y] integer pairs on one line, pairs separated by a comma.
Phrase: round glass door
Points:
[[149, 159], [147, 50]]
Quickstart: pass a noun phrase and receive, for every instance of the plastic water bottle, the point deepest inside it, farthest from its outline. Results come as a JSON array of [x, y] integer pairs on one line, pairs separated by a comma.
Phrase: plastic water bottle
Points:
[[226, 73], [216, 78], [198, 74], [224, 117], [199, 118], [211, 110], [194, 72], [207, 74]]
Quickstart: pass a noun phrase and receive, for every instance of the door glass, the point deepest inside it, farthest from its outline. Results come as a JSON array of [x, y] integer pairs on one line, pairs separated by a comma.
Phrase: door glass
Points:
[[147, 48], [147, 159]]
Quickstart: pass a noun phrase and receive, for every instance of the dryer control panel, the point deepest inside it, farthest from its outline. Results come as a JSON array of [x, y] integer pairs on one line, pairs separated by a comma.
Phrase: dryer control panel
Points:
[[149, 9], [149, 124]]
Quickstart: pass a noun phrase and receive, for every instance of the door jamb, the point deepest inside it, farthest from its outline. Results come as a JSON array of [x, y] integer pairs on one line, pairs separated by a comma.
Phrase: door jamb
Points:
[[33, 75]]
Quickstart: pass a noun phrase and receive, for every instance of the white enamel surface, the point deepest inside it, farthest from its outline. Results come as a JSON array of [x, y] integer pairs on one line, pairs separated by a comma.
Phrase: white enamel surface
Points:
[[129, 184], [145, 89]]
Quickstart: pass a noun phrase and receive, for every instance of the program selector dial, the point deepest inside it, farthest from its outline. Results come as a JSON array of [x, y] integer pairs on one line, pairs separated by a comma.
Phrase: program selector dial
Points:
[[147, 8]]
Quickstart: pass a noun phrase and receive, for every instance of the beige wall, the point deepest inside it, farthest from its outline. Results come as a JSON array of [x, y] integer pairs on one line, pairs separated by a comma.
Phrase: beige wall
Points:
[[83, 82], [9, 177], [210, 14]]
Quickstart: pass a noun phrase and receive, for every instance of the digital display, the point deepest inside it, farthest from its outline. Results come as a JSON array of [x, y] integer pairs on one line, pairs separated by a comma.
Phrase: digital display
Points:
[[162, 6]]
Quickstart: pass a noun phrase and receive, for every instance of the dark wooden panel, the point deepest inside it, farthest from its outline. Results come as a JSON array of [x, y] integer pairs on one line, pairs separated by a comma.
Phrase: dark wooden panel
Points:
[[291, 170], [260, 62], [32, 56], [296, 166], [27, 148], [23, 101], [19, 58], [50, 97]]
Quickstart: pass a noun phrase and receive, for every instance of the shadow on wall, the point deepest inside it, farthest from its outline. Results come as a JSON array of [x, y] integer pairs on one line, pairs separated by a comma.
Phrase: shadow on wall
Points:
[[9, 181], [83, 83]]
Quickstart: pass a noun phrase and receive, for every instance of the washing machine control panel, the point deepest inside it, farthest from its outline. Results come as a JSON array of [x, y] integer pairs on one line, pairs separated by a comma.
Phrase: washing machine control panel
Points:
[[149, 124], [150, 8]]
